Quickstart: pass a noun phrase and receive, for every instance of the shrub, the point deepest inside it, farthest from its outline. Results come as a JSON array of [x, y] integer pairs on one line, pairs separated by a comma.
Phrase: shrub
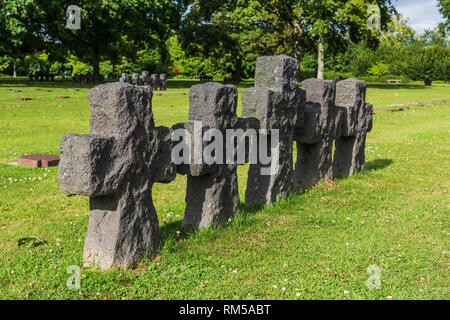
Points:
[[378, 70]]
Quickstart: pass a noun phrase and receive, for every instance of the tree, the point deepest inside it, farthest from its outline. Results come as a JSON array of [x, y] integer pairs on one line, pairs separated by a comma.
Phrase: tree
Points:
[[444, 9], [18, 34], [230, 32], [286, 26], [104, 24]]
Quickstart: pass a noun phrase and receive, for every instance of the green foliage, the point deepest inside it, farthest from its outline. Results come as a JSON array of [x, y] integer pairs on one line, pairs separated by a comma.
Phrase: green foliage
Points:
[[444, 8], [378, 70], [56, 68], [432, 62], [79, 67], [361, 58]]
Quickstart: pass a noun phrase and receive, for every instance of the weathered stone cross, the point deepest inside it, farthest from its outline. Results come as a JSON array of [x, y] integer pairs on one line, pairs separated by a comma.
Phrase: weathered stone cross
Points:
[[315, 135], [277, 102], [116, 165], [212, 195], [353, 120]]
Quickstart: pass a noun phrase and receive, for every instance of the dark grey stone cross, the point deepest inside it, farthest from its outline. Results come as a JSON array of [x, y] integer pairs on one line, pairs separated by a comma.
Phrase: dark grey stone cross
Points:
[[277, 102], [315, 134], [116, 165], [353, 121], [212, 195]]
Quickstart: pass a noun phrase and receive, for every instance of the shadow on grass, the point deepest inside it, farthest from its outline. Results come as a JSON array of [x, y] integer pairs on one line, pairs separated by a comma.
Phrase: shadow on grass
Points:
[[378, 164], [173, 235], [170, 239]]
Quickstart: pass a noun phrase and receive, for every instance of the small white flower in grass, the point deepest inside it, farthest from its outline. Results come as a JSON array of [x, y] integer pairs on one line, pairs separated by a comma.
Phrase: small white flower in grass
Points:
[[223, 267], [268, 224], [235, 271], [284, 288], [346, 292], [178, 233], [348, 218], [334, 221], [286, 280], [275, 286], [297, 294], [285, 266], [389, 297]]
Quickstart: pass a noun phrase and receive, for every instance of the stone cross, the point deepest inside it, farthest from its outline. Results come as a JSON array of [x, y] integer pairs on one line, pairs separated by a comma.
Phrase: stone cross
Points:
[[146, 80], [116, 165], [155, 82], [163, 81], [276, 101], [315, 134], [135, 79], [353, 120], [212, 195], [125, 78]]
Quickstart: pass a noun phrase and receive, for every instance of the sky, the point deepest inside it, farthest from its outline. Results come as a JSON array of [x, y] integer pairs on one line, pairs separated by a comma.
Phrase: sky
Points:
[[422, 14]]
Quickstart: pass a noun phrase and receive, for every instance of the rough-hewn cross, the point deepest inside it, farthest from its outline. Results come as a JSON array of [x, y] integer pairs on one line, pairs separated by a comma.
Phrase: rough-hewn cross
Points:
[[125, 78], [277, 102], [212, 195], [353, 121], [116, 165], [155, 81], [163, 82], [315, 134]]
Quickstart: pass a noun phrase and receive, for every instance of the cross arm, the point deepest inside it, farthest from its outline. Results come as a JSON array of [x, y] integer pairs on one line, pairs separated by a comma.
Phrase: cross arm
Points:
[[85, 165]]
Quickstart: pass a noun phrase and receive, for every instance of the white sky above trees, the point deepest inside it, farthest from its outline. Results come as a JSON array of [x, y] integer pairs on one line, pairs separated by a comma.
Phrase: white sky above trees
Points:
[[422, 14]]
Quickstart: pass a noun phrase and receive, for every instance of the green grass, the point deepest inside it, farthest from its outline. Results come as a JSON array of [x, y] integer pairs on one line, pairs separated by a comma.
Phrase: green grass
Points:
[[318, 243]]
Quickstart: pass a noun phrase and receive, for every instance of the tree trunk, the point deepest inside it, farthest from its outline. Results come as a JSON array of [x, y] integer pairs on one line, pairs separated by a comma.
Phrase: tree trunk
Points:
[[321, 57], [14, 69]]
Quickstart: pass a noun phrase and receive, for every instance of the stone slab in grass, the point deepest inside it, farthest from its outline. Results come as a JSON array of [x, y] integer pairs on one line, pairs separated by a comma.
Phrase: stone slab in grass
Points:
[[23, 99], [38, 161], [62, 97]]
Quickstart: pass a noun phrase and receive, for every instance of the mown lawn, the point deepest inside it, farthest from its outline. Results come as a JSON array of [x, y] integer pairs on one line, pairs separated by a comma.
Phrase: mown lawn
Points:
[[318, 243]]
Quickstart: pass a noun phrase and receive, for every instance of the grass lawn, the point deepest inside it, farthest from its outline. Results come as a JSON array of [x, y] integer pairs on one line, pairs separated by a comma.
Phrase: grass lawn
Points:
[[318, 243]]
